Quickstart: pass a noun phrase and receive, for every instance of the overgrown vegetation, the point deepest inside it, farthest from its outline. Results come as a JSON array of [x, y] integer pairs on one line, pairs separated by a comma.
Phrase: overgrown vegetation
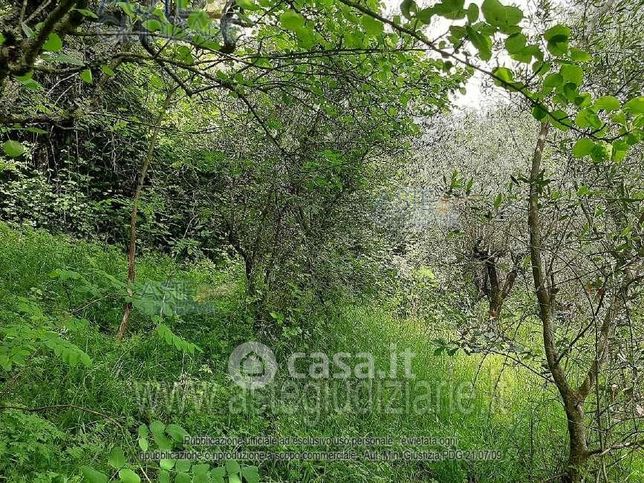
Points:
[[180, 179], [61, 435]]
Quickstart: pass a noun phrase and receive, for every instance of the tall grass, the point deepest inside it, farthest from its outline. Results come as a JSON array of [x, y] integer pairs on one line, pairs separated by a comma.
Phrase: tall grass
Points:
[[484, 403]]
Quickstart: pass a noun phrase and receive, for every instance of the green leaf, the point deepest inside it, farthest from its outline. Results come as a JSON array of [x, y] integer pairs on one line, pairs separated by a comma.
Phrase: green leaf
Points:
[[248, 5], [184, 54], [407, 7], [599, 152], [540, 67], [572, 73], [176, 432], [107, 70], [129, 476], [620, 150], [166, 464], [557, 39], [425, 15], [53, 43], [201, 469], [579, 55], [457, 33], [306, 38], [128, 9], [158, 434], [553, 80], [539, 113], [607, 103], [232, 467], [570, 92], [483, 43], [13, 149], [198, 20], [619, 118], [27, 30], [182, 478], [144, 444], [504, 74], [30, 84], [636, 105], [584, 100], [526, 54], [217, 474], [558, 31], [472, 12], [587, 118], [583, 147], [86, 76], [93, 476], [201, 478], [162, 441], [116, 459], [175, 341], [250, 474], [153, 25], [499, 15], [515, 43], [27, 81], [157, 427], [291, 20], [372, 26], [451, 9], [87, 13]]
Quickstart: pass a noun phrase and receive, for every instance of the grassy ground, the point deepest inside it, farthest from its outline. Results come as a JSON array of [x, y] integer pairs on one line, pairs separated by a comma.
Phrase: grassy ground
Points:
[[84, 411]]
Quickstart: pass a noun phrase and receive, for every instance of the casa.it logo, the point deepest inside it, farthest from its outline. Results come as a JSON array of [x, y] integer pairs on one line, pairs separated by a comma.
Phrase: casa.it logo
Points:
[[252, 365]]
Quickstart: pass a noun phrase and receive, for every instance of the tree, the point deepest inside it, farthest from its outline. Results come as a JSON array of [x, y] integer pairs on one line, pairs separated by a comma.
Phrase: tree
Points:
[[358, 77], [608, 136]]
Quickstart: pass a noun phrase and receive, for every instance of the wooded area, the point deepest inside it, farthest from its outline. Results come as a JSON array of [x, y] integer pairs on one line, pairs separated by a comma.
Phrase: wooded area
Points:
[[321, 240]]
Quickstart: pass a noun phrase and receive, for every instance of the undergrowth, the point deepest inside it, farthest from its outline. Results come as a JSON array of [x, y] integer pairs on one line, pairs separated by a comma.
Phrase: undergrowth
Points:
[[89, 404]]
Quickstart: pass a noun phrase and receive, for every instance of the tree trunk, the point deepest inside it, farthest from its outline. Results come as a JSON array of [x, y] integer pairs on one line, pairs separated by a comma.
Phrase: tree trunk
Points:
[[578, 450], [573, 401], [131, 252]]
